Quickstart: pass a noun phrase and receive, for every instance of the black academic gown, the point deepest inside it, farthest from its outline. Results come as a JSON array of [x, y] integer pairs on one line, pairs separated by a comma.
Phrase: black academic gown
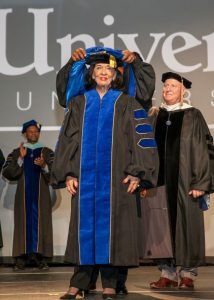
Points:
[[144, 76], [186, 154], [32, 208], [2, 160], [128, 156]]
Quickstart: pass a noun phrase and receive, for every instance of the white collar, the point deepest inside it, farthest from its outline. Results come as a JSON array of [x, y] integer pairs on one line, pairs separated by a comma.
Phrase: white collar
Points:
[[175, 106]]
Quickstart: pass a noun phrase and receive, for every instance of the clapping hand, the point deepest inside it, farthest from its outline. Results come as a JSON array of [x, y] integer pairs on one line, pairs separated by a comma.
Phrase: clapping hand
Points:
[[40, 161], [22, 150]]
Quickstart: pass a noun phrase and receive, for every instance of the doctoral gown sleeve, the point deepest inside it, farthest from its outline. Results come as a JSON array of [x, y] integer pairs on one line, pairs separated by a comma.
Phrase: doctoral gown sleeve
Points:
[[144, 156], [61, 82], [145, 81], [11, 169], [48, 157], [66, 158], [202, 159]]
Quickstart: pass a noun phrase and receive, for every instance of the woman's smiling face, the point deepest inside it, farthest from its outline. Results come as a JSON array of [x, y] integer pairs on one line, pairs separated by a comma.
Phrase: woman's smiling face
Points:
[[103, 75]]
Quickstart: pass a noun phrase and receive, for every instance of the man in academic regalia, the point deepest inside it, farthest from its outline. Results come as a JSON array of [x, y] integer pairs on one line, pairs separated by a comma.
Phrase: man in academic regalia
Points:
[[186, 154], [2, 160], [30, 166]]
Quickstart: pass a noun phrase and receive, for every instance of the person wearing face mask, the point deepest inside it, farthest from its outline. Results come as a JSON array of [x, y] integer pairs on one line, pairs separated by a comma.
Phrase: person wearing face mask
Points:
[[105, 151], [30, 166], [186, 155]]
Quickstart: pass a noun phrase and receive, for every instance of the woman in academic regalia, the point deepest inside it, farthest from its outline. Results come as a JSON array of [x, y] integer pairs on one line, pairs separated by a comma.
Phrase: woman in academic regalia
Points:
[[105, 151], [144, 77]]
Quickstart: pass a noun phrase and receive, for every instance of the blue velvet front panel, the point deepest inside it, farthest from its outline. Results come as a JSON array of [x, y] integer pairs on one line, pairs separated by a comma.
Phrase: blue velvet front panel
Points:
[[32, 183], [147, 143], [95, 178], [143, 128], [140, 114]]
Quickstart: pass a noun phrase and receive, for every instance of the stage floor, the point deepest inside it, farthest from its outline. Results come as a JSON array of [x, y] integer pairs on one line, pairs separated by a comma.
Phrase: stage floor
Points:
[[32, 284]]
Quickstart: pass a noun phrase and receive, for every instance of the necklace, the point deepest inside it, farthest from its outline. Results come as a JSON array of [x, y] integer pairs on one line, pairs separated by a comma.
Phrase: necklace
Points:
[[168, 122]]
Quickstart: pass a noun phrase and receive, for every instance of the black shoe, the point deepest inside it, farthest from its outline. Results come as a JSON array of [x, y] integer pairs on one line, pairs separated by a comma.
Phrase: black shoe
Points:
[[19, 267], [91, 289], [43, 266], [121, 290], [109, 296], [20, 263], [67, 296], [40, 261], [78, 295]]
